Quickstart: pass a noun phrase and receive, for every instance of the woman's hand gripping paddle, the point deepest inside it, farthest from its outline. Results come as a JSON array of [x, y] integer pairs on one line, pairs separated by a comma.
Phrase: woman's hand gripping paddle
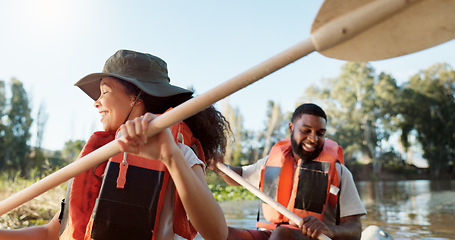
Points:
[[354, 30]]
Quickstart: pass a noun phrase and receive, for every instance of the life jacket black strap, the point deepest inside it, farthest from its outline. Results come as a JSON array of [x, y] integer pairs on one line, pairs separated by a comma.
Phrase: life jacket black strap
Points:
[[62, 210]]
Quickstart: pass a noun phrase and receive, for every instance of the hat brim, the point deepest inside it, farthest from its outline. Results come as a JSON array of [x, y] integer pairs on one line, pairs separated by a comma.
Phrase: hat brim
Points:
[[90, 84]]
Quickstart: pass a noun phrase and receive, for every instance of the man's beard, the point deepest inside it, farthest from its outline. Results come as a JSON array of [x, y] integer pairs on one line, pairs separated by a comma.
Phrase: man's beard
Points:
[[304, 155]]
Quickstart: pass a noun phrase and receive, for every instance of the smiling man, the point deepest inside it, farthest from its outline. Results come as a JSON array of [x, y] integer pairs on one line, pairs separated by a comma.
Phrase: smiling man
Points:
[[306, 174]]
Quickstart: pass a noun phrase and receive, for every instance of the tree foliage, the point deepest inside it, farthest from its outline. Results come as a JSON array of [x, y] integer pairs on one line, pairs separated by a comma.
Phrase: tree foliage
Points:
[[72, 149], [233, 154], [17, 155], [16, 123], [38, 157], [360, 106], [274, 130], [247, 146], [3, 125], [427, 108]]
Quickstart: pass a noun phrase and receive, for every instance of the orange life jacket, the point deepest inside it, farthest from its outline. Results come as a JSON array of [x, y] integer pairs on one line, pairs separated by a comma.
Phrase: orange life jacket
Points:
[[85, 189], [305, 190]]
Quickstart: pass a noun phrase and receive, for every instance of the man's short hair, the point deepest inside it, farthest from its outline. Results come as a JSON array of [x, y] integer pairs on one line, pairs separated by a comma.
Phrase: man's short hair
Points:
[[308, 108]]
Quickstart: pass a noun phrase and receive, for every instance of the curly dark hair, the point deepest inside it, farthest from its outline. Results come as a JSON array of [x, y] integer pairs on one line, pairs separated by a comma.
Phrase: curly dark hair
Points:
[[209, 126]]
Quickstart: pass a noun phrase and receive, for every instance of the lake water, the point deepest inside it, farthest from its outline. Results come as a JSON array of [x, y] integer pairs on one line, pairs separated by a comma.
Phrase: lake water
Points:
[[417, 209], [421, 209]]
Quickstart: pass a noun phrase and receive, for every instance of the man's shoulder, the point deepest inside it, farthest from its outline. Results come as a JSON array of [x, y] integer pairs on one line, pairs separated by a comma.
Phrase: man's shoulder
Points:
[[342, 169]]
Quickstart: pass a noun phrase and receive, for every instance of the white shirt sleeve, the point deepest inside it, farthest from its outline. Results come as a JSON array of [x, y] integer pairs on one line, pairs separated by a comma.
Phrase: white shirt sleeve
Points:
[[252, 172], [190, 156], [350, 203]]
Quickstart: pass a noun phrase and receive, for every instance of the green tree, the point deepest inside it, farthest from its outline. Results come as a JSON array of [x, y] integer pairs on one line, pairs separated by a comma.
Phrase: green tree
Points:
[[275, 126], [17, 134], [38, 157], [234, 153], [2, 125], [428, 107], [257, 144], [359, 105], [72, 149]]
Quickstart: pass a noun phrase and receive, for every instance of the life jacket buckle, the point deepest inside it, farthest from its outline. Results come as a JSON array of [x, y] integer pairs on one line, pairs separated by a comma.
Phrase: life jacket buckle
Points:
[[123, 168]]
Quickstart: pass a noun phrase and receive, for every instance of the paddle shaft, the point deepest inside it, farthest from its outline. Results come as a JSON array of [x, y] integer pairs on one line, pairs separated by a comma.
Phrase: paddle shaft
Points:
[[264, 197]]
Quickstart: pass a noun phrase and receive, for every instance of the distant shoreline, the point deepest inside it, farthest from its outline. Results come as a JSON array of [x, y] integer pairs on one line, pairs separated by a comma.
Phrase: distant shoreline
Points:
[[365, 173]]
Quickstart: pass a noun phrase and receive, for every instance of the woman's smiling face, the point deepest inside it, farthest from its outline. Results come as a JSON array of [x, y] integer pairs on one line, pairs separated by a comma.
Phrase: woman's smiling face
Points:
[[113, 104]]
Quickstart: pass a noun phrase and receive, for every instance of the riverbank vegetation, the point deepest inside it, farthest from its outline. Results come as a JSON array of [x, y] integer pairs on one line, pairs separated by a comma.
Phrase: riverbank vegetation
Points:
[[223, 192], [35, 212]]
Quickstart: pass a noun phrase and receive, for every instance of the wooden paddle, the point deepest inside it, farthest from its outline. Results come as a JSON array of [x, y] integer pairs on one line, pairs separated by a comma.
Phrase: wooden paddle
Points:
[[264, 197], [418, 25], [336, 24]]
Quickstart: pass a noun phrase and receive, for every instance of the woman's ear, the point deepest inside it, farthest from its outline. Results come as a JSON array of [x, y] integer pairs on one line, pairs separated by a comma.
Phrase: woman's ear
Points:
[[133, 100], [139, 101]]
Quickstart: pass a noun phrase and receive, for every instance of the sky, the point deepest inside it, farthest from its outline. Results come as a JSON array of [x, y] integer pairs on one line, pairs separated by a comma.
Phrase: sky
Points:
[[50, 44]]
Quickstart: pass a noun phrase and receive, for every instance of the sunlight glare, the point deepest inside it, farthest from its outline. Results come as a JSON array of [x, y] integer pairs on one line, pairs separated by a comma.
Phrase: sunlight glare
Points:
[[46, 17]]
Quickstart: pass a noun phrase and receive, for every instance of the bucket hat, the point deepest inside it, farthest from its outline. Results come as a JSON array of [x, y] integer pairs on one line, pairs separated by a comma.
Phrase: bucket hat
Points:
[[147, 72]]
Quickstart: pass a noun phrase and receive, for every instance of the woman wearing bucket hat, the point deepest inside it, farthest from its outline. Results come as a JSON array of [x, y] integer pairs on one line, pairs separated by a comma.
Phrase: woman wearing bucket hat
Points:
[[156, 191]]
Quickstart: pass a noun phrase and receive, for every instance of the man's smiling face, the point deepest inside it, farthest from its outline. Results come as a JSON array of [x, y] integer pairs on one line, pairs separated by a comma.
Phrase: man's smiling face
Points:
[[307, 136]]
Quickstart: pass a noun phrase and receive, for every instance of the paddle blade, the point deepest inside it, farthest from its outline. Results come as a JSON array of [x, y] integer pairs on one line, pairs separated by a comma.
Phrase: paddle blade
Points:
[[409, 26]]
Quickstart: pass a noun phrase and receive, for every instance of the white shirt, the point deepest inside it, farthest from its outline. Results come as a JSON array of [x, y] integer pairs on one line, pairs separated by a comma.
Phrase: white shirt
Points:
[[350, 203], [165, 227]]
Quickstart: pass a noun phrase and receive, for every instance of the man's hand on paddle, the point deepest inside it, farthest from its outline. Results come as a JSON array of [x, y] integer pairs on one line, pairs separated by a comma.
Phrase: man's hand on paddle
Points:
[[212, 164], [313, 227]]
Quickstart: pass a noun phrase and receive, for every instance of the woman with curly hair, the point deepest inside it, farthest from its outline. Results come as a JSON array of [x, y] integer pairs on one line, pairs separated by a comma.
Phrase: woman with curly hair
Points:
[[155, 188]]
